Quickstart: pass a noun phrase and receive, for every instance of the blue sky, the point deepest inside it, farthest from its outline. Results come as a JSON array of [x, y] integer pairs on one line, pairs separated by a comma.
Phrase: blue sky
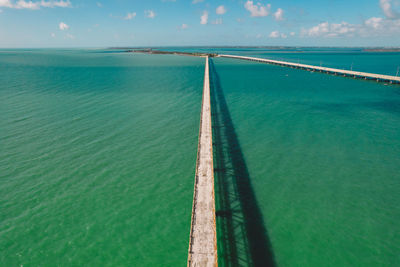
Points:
[[100, 23]]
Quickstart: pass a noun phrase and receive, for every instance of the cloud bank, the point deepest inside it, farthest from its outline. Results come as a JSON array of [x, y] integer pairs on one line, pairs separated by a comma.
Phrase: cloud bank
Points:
[[22, 4], [372, 27]]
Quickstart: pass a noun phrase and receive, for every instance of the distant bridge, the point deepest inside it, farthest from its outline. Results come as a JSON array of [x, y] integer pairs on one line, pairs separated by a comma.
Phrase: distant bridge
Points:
[[346, 73]]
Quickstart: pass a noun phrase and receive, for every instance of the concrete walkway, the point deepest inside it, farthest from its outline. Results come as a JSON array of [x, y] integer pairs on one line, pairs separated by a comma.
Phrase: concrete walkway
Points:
[[203, 241]]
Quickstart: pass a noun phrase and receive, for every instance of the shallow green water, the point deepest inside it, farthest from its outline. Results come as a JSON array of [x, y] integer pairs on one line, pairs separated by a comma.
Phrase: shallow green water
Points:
[[98, 150], [322, 154], [97, 158]]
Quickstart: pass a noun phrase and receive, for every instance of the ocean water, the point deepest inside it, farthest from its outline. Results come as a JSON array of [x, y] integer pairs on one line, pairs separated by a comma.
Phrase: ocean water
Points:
[[98, 151], [97, 157], [313, 164]]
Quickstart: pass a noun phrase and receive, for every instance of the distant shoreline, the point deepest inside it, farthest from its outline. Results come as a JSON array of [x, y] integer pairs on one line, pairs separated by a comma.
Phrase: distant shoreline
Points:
[[300, 48], [381, 50], [151, 51], [272, 49]]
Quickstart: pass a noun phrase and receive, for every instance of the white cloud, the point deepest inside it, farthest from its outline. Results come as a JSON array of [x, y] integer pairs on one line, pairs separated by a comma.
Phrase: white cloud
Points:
[[379, 27], [204, 17], [197, 1], [292, 34], [99, 4], [372, 27], [63, 26], [53, 35], [277, 34], [217, 21], [374, 22], [130, 16], [220, 10], [6, 3], [52, 4], [150, 14], [279, 14], [258, 36], [327, 29], [257, 10], [387, 9], [184, 26], [274, 34], [22, 4], [320, 29]]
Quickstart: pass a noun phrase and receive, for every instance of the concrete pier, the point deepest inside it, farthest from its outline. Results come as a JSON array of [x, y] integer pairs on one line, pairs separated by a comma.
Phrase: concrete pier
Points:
[[347, 73], [203, 240]]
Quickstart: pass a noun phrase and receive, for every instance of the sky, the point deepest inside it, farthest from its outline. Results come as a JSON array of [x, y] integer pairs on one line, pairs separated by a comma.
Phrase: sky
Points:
[[101, 23]]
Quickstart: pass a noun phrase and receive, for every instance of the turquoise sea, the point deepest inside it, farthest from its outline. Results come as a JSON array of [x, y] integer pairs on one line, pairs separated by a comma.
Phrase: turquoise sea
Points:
[[97, 157], [98, 151]]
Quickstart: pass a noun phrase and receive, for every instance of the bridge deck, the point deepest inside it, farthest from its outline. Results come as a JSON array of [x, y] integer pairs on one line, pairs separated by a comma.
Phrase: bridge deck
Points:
[[350, 73], [203, 242]]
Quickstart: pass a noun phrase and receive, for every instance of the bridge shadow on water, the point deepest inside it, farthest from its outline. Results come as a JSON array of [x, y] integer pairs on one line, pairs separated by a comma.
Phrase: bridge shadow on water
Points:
[[241, 233]]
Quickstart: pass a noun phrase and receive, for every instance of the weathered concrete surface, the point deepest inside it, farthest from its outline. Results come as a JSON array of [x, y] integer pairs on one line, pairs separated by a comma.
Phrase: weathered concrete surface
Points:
[[203, 242], [349, 73]]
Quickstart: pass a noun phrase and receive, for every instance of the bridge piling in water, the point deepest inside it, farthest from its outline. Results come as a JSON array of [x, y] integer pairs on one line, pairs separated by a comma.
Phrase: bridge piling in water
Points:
[[203, 240]]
